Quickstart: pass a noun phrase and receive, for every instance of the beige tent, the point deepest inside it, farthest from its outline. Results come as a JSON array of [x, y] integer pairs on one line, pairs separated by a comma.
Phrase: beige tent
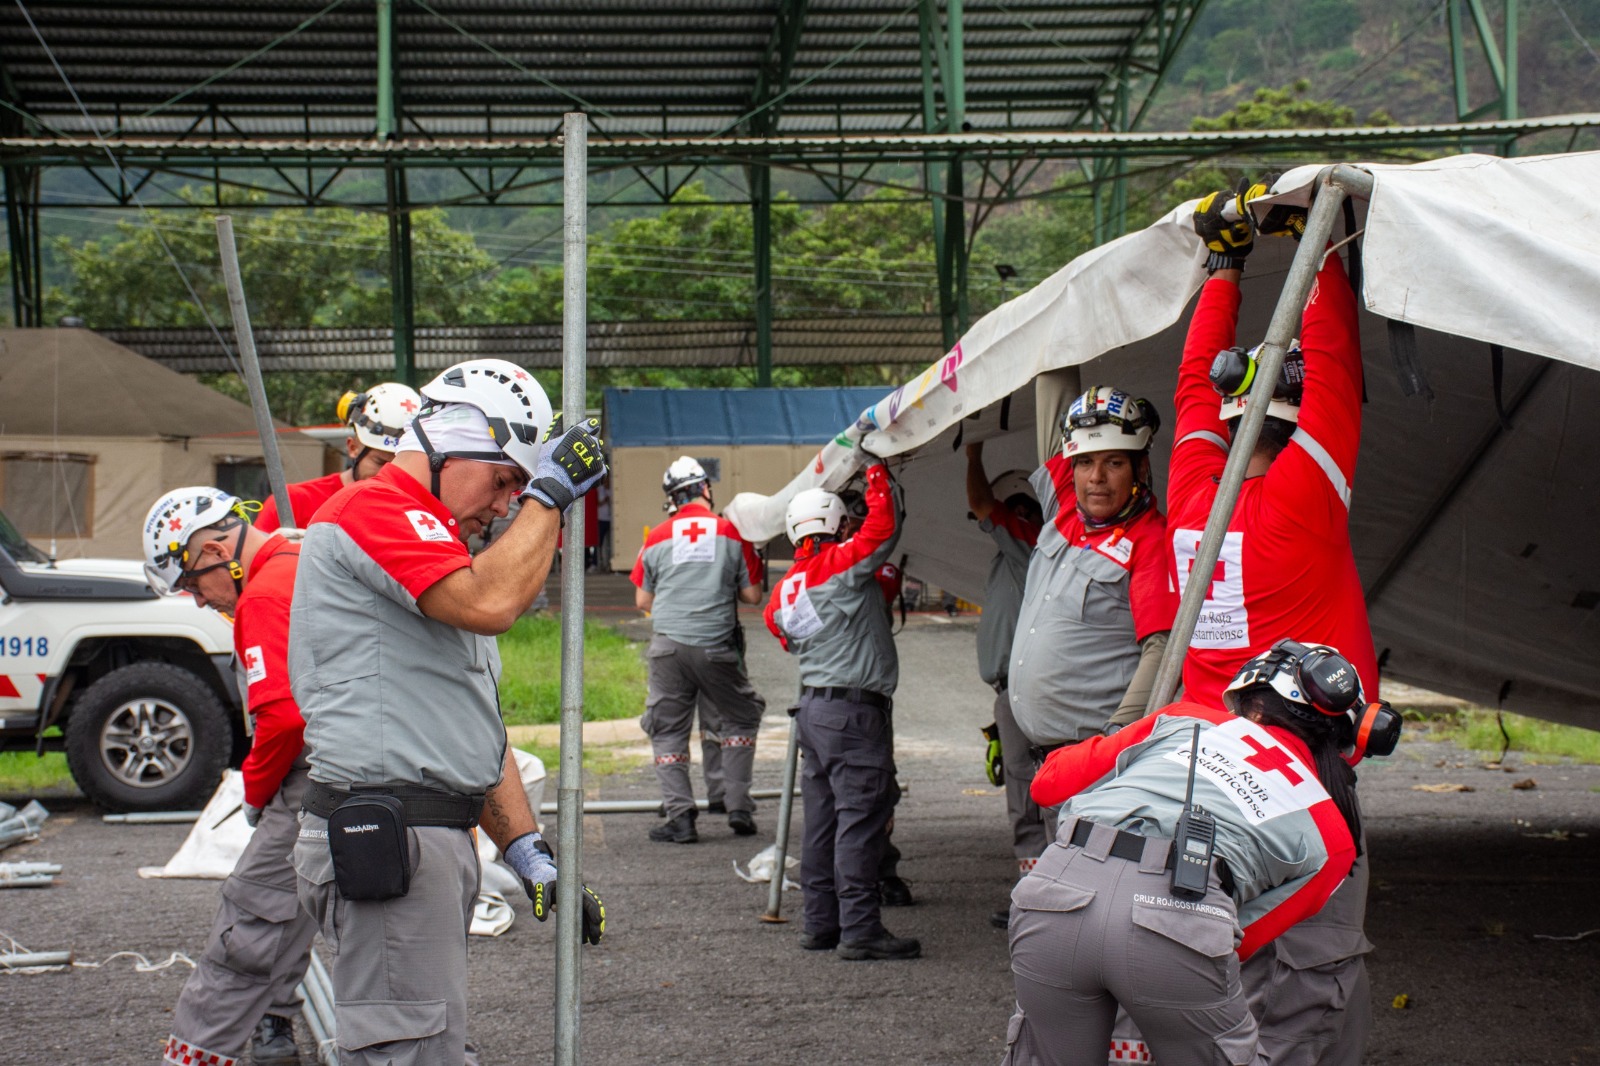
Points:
[[92, 432]]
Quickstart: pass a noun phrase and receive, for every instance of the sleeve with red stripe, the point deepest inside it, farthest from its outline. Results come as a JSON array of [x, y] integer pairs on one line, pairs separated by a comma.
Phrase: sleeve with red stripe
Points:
[[879, 528], [378, 521], [1211, 329], [1070, 770], [278, 740], [1303, 897], [770, 616], [752, 561], [1020, 528]]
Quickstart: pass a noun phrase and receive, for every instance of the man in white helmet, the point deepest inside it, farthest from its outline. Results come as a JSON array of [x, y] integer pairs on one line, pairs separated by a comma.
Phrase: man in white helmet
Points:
[[242, 992], [1007, 510], [1286, 569], [393, 660], [828, 612], [692, 573], [376, 419]]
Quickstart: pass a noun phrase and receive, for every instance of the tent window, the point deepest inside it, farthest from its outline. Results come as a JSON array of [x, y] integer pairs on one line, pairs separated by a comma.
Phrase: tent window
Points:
[[48, 494], [244, 476]]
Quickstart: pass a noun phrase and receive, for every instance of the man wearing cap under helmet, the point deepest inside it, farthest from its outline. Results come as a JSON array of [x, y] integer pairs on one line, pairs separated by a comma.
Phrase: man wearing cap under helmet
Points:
[[394, 664], [1286, 570], [376, 419]]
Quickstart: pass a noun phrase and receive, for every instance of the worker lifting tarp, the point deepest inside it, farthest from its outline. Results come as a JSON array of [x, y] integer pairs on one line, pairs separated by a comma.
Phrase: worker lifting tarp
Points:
[[1475, 499]]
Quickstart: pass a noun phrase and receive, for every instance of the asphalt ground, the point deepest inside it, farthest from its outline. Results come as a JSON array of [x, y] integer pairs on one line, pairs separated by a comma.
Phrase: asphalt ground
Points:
[[1465, 884]]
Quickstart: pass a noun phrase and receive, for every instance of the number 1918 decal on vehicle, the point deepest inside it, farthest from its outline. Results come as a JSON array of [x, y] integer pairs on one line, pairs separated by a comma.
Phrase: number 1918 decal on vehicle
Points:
[[20, 647]]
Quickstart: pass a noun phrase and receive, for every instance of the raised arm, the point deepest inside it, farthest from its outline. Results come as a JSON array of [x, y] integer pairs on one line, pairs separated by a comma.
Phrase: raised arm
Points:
[[1200, 440], [980, 497], [503, 580]]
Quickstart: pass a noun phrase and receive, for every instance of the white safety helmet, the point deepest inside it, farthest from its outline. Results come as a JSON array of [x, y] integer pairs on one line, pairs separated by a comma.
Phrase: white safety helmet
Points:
[[1233, 371], [1011, 484], [176, 517], [1316, 682], [513, 403], [381, 414], [1105, 419], [684, 475], [812, 513]]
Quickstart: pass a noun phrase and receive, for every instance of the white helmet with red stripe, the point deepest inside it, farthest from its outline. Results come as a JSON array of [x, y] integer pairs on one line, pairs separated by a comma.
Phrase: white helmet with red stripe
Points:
[[813, 513], [513, 403]]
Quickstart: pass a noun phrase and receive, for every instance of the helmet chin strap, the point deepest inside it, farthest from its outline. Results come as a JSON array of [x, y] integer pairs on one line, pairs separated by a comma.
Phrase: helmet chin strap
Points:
[[436, 459]]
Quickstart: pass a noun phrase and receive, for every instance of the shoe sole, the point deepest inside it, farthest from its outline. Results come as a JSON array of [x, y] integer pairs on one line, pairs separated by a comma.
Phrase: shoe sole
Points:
[[748, 830], [862, 955]]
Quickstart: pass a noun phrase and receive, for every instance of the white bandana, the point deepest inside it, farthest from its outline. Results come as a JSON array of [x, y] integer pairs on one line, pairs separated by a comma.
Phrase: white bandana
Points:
[[452, 428]]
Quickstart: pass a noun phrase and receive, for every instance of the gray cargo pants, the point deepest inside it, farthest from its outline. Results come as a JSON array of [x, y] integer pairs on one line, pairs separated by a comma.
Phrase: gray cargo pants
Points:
[[1309, 988], [400, 966], [1090, 930], [711, 749], [1027, 821], [678, 674], [260, 944], [848, 787]]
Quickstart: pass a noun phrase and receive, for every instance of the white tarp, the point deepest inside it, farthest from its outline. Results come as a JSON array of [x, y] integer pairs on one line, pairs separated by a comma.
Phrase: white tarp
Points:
[[1475, 542]]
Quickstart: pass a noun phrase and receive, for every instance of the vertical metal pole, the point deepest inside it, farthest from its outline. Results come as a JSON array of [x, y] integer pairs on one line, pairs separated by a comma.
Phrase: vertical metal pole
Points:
[[402, 295], [761, 208], [569, 793], [791, 760], [22, 233], [385, 69], [1334, 184], [955, 102], [246, 340]]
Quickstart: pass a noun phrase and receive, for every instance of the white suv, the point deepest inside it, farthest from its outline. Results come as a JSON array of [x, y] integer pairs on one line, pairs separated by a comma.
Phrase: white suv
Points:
[[142, 686]]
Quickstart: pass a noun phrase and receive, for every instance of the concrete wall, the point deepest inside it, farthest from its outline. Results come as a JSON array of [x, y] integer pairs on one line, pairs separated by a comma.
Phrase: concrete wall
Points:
[[636, 497]]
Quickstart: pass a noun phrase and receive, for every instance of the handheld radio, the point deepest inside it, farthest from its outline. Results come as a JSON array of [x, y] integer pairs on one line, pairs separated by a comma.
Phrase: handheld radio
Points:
[[1196, 836]]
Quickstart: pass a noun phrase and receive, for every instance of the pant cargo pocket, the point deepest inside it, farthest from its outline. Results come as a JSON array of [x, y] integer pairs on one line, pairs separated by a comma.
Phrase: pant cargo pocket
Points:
[[398, 1029]]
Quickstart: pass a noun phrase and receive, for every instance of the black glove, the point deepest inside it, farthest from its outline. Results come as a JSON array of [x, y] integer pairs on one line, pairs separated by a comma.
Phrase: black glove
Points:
[[1227, 240], [543, 895], [570, 464], [1283, 219]]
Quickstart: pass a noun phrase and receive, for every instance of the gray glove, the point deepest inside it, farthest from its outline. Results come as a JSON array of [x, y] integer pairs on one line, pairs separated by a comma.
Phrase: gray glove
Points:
[[535, 863], [570, 464], [252, 815]]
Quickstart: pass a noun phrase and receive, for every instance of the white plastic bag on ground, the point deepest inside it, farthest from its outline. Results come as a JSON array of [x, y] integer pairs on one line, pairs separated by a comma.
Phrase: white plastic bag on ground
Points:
[[214, 845], [761, 865]]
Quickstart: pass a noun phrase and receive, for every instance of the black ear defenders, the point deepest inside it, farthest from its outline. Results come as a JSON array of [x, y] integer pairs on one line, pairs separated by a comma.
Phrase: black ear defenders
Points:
[[1376, 732], [1327, 679]]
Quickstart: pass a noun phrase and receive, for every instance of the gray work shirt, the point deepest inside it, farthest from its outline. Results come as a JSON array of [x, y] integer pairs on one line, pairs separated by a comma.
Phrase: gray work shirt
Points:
[[1002, 594], [1076, 644], [389, 695], [695, 563]]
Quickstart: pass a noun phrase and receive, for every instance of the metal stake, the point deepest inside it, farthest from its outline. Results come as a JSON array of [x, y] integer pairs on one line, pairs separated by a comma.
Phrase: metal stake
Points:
[[791, 760], [1336, 183], [246, 340], [569, 794]]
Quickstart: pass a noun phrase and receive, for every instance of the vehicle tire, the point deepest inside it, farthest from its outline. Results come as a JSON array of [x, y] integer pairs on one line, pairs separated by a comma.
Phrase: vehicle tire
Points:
[[149, 737]]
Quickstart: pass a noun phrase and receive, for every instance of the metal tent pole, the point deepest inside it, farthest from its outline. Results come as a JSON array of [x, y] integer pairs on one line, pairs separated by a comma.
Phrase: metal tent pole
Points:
[[1336, 183], [791, 760], [246, 340], [569, 793]]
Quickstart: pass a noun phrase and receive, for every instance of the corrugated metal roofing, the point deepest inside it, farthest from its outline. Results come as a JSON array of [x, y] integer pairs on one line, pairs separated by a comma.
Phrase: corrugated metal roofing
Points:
[[665, 417], [488, 66]]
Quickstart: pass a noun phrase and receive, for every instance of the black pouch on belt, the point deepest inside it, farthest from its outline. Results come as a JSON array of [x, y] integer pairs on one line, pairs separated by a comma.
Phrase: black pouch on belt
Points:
[[371, 852]]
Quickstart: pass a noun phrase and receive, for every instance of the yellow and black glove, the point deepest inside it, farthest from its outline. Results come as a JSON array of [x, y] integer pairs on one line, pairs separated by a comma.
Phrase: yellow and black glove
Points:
[[994, 763], [570, 464], [1228, 240]]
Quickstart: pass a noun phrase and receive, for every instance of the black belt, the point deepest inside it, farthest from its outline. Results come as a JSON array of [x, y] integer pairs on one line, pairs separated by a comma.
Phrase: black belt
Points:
[[1042, 752], [1130, 846], [851, 695], [422, 806]]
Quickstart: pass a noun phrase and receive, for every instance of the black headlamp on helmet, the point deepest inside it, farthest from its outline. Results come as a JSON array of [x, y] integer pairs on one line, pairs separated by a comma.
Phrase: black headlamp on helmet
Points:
[[1321, 688]]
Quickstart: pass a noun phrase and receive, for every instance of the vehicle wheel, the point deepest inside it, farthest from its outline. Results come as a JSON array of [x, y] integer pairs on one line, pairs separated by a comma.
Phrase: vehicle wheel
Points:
[[149, 737]]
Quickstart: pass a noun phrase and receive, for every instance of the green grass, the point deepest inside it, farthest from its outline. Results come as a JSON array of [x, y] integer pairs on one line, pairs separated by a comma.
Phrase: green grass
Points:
[[596, 760], [22, 773], [1476, 729], [530, 677]]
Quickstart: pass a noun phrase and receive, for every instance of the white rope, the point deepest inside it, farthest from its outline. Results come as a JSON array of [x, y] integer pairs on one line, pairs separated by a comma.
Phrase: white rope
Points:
[[142, 965]]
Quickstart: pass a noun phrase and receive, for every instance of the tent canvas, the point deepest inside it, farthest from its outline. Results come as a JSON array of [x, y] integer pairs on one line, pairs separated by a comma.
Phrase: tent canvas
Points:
[[1472, 538], [134, 428]]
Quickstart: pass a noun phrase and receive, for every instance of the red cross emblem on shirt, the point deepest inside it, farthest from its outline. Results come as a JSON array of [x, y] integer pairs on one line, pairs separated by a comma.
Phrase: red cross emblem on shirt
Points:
[[694, 531], [1272, 759], [409, 405], [430, 524], [1218, 575], [251, 659], [794, 591]]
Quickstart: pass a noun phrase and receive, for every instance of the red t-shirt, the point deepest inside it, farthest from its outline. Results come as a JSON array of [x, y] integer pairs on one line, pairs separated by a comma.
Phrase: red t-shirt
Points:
[[401, 526], [1286, 568], [304, 496], [261, 641]]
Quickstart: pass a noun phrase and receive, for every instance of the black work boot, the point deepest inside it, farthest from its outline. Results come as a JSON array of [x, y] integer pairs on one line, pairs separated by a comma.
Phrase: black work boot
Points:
[[678, 830], [273, 1044], [716, 807], [885, 946], [743, 823], [1000, 919], [819, 941], [895, 892]]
